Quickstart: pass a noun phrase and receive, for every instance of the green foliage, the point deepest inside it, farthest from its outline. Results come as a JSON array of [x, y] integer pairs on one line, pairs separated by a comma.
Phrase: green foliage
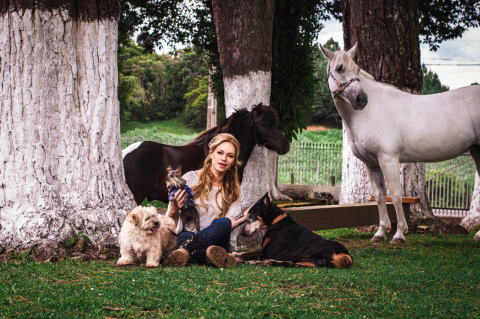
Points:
[[431, 276], [159, 22], [431, 82], [446, 20], [323, 108], [295, 27], [475, 83], [205, 43], [70, 241], [152, 87], [197, 100]]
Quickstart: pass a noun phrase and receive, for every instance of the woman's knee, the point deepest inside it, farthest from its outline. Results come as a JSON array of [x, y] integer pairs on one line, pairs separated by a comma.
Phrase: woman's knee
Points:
[[224, 221]]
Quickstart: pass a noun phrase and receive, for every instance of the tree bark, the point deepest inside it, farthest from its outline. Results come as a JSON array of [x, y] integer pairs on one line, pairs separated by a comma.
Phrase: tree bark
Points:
[[387, 32], [61, 165], [244, 36], [473, 219]]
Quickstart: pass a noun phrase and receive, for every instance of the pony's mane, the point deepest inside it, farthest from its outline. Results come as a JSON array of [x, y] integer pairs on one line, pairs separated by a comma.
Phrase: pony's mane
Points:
[[233, 125]]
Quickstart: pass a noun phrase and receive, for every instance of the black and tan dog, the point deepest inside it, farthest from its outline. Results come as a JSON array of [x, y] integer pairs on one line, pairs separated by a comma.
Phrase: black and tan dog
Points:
[[286, 243]]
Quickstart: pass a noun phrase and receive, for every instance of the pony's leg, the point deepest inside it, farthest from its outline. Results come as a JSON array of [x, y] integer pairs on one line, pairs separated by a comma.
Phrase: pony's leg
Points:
[[391, 169], [378, 184]]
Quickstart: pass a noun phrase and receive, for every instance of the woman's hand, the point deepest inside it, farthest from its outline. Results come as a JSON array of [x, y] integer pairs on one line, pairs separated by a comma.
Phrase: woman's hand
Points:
[[177, 202], [240, 218]]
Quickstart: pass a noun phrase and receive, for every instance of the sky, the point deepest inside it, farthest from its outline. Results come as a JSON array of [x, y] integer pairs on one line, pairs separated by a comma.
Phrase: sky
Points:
[[456, 62]]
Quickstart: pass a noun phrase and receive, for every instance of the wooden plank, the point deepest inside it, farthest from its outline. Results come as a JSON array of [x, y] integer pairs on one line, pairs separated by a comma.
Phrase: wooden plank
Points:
[[405, 200], [342, 216]]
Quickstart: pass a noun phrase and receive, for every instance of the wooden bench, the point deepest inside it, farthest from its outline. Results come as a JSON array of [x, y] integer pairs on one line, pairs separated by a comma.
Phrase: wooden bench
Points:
[[351, 215]]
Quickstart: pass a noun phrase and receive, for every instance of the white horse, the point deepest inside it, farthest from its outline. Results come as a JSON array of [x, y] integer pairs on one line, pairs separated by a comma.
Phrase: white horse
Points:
[[386, 126]]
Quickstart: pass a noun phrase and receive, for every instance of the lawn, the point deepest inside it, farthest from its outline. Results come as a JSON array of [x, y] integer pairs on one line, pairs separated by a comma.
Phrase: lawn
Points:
[[172, 126], [431, 276], [175, 126]]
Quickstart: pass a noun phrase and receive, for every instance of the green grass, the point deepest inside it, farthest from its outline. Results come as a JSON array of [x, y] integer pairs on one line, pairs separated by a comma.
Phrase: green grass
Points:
[[434, 276], [326, 136], [172, 126], [176, 127]]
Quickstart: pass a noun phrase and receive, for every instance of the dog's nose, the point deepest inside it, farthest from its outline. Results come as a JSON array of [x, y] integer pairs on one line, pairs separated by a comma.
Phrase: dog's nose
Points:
[[155, 223]]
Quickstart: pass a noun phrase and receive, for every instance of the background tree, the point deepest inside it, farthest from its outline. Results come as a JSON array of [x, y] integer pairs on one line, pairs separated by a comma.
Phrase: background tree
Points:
[[431, 82], [323, 109], [156, 84], [244, 37], [197, 100], [61, 165]]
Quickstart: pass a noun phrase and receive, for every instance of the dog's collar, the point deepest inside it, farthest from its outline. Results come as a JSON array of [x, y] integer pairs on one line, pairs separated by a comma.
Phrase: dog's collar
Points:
[[279, 218]]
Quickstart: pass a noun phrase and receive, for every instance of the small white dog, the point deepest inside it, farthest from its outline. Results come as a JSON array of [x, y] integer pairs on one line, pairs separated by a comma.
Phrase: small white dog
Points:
[[147, 233]]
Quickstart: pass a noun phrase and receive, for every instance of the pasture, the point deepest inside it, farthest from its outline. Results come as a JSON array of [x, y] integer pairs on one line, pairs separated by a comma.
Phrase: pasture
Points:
[[431, 276]]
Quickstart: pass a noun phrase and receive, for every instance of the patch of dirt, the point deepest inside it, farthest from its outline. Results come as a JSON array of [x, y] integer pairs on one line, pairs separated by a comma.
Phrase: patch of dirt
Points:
[[437, 226], [316, 128]]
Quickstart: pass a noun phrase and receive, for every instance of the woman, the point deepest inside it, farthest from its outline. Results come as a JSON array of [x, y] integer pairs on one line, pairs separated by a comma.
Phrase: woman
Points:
[[217, 199]]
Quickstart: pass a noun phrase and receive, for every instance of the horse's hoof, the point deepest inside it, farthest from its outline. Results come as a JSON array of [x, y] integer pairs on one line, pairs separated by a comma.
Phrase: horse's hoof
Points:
[[377, 239], [398, 241]]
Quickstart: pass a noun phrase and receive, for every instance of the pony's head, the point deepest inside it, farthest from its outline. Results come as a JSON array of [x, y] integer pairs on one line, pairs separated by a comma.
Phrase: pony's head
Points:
[[264, 123], [343, 80]]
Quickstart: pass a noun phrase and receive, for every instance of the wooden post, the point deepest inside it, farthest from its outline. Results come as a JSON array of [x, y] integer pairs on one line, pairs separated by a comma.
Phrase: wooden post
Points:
[[211, 104]]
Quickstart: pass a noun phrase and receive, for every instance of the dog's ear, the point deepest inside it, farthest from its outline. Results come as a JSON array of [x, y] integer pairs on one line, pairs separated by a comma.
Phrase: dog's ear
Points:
[[179, 171], [135, 219], [169, 168], [266, 199]]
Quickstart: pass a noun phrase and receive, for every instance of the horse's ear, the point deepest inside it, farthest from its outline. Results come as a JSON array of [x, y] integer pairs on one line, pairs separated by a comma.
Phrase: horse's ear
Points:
[[169, 168], [351, 52], [179, 171], [329, 55]]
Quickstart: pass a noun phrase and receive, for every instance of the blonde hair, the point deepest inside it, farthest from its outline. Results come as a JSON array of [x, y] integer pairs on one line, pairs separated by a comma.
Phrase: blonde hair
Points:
[[230, 189]]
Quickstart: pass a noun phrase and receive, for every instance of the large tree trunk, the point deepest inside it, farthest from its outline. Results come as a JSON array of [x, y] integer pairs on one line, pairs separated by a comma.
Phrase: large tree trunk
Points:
[[61, 165], [387, 32], [244, 36], [473, 219]]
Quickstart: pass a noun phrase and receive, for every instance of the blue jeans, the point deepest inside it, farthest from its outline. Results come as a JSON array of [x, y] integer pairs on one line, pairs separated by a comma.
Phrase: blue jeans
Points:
[[218, 234]]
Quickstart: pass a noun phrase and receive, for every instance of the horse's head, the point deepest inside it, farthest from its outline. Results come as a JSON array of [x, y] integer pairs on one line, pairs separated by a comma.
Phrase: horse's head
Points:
[[343, 77], [264, 122]]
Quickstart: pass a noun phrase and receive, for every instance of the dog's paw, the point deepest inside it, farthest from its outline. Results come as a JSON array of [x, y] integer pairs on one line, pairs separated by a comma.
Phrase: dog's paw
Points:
[[123, 262], [151, 265]]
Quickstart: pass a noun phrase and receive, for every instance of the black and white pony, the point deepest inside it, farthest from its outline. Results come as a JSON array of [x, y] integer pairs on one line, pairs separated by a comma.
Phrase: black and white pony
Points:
[[146, 162]]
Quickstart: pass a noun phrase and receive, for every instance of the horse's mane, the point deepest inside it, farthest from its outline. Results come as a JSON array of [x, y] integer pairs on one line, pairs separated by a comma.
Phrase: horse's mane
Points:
[[367, 75], [233, 124]]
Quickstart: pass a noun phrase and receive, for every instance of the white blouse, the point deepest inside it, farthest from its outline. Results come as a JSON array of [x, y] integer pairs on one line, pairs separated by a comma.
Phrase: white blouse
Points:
[[206, 216]]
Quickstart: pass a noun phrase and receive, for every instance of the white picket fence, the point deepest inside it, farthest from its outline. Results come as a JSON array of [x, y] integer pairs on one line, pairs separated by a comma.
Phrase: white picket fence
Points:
[[450, 186]]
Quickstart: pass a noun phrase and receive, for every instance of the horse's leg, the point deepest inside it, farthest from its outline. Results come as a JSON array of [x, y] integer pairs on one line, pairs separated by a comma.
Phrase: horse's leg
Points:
[[475, 152], [378, 184], [391, 169]]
